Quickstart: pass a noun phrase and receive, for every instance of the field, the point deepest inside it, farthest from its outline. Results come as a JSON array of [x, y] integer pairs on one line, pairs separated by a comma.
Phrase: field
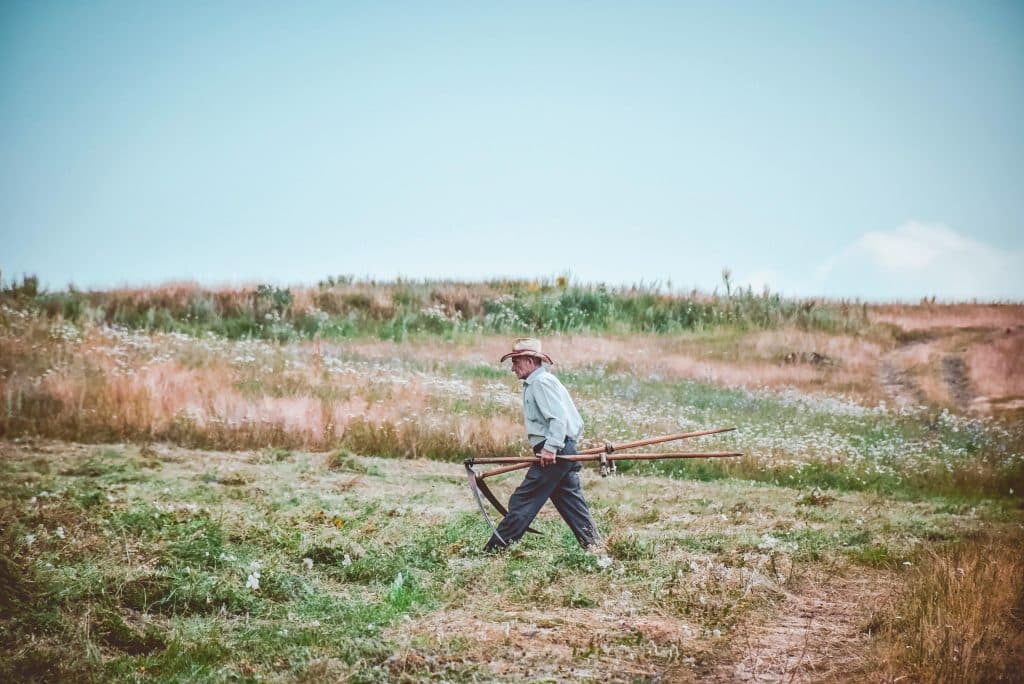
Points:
[[266, 485]]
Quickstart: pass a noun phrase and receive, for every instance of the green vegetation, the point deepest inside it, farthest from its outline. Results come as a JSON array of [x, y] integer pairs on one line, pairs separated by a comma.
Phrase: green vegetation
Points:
[[344, 307], [346, 566], [325, 532]]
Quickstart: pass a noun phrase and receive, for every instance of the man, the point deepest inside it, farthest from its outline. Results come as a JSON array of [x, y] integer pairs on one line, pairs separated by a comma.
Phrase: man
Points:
[[553, 426]]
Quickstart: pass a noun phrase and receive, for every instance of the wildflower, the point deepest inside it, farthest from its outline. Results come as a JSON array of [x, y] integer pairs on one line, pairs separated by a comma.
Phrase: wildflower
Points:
[[604, 562], [253, 582], [346, 561], [29, 538], [309, 563], [60, 531]]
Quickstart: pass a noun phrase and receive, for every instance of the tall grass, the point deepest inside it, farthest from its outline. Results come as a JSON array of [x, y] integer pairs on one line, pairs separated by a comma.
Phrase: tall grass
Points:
[[343, 307], [101, 384], [960, 617]]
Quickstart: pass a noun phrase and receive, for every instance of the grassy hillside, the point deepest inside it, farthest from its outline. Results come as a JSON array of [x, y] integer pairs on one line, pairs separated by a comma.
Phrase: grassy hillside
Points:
[[345, 307], [187, 498]]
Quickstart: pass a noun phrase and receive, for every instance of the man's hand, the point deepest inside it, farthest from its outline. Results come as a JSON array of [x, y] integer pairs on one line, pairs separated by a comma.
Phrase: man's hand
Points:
[[547, 457]]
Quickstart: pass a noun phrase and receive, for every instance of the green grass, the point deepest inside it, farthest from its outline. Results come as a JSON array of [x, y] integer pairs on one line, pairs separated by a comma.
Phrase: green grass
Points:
[[152, 581], [406, 309], [139, 560]]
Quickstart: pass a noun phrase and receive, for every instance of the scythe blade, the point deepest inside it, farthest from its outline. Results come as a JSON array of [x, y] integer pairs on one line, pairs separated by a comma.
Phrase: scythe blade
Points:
[[478, 486], [486, 491], [474, 486]]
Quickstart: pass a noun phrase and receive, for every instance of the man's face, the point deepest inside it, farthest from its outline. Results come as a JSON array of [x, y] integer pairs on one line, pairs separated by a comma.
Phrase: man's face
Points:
[[522, 366]]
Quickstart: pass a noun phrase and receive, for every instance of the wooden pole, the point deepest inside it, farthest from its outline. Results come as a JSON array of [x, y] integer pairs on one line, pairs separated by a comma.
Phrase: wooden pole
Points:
[[583, 458]]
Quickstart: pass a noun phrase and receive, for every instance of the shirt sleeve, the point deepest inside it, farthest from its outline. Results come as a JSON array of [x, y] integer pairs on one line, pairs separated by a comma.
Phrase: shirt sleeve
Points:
[[553, 411]]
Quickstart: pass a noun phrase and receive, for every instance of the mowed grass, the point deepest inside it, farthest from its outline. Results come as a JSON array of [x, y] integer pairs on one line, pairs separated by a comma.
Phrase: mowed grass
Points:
[[179, 507], [163, 563]]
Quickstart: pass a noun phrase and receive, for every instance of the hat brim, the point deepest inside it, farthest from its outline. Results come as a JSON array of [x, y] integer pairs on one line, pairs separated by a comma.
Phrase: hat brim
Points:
[[536, 355]]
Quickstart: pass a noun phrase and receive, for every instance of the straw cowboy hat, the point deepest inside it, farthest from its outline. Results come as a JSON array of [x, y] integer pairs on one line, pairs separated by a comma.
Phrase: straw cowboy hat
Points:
[[527, 346]]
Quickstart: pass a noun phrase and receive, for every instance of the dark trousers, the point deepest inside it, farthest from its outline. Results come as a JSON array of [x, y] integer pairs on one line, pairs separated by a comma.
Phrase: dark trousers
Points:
[[559, 482]]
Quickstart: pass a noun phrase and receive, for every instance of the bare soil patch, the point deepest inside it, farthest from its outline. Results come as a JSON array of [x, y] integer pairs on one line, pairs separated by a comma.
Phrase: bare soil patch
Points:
[[570, 644], [820, 632]]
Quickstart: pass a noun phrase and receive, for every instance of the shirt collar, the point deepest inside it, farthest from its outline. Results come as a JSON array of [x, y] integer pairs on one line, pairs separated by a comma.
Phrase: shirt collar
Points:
[[534, 375]]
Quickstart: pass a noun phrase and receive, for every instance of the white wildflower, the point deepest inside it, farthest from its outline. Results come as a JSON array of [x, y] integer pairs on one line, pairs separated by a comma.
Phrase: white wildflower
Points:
[[604, 562], [346, 561], [60, 532], [29, 538], [308, 563], [253, 582]]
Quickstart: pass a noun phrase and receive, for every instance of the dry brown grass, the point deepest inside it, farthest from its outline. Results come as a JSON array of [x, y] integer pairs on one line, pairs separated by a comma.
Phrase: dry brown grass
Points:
[[913, 317], [95, 390], [961, 615], [103, 388], [997, 369]]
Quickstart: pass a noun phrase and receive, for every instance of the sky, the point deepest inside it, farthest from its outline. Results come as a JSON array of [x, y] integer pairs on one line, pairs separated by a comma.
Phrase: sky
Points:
[[862, 149]]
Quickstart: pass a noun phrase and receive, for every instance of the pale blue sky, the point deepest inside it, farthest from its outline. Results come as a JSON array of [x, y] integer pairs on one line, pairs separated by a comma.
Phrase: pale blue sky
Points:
[[870, 149]]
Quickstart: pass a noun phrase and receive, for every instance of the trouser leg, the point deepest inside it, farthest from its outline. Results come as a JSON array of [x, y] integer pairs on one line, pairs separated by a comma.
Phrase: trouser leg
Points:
[[527, 501], [568, 500]]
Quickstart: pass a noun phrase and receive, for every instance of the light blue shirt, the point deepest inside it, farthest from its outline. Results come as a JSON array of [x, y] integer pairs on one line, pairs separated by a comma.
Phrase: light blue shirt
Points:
[[548, 412]]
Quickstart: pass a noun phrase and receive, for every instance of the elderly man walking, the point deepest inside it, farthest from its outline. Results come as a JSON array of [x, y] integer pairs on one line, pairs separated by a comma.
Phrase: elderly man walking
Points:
[[553, 427]]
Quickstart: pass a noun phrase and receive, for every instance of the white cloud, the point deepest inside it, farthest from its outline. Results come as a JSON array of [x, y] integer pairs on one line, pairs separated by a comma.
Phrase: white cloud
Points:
[[919, 260], [913, 261]]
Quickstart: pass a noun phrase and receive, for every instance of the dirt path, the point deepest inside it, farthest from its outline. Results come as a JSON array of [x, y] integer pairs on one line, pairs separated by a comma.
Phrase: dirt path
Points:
[[898, 385], [958, 382], [819, 633]]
